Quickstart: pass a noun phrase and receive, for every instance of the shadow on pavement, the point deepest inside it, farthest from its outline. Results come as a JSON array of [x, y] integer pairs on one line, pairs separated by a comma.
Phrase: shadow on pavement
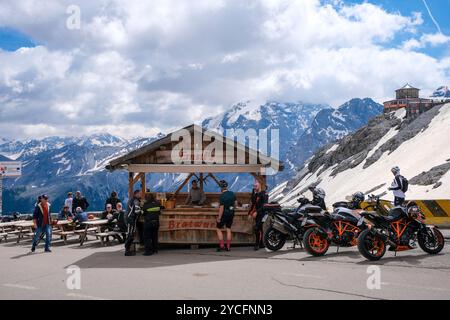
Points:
[[170, 257], [410, 259], [348, 254]]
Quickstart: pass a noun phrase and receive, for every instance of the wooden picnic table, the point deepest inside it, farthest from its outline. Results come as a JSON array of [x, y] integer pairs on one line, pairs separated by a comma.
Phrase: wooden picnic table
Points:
[[24, 228], [65, 228], [94, 226]]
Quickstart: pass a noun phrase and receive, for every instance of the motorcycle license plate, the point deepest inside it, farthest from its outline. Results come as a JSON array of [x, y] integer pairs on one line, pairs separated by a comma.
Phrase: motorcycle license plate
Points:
[[265, 218]]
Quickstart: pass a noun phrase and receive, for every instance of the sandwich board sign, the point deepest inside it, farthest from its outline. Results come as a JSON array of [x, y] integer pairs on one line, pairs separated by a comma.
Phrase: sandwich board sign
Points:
[[8, 169]]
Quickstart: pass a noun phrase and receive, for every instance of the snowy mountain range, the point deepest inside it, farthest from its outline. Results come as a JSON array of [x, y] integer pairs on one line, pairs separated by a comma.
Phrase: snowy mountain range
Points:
[[56, 165], [362, 161]]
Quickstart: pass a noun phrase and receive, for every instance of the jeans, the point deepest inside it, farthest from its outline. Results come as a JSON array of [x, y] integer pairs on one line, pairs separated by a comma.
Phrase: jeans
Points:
[[48, 236]]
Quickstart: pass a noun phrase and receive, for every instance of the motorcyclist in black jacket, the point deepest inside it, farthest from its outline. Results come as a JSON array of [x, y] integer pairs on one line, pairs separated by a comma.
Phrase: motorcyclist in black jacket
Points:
[[151, 211], [133, 213]]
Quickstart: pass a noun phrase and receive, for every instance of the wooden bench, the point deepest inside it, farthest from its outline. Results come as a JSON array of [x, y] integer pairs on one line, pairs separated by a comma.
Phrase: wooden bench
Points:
[[106, 235], [64, 235], [4, 235]]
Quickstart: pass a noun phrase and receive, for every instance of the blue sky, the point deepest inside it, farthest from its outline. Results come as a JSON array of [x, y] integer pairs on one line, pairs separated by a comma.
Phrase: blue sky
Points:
[[188, 60], [11, 40]]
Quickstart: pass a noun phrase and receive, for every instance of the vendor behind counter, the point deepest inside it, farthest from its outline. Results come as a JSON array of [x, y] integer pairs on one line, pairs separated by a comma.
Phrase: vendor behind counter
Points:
[[196, 195]]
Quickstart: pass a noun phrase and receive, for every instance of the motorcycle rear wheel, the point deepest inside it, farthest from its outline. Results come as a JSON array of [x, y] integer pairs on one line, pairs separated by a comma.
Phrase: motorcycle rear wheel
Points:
[[315, 244], [425, 245], [274, 240], [370, 246]]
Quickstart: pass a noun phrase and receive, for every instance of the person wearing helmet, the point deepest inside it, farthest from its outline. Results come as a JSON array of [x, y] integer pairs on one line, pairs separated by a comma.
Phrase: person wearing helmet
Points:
[[399, 187], [318, 197], [357, 199], [228, 203]]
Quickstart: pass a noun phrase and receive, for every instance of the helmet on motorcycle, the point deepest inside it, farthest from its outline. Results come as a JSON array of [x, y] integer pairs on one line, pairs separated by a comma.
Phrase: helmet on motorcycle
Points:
[[358, 197], [395, 170], [318, 193]]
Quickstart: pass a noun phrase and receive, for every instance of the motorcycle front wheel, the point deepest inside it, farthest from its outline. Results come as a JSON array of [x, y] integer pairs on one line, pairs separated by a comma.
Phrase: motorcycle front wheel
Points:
[[274, 240], [315, 243], [431, 243], [370, 246]]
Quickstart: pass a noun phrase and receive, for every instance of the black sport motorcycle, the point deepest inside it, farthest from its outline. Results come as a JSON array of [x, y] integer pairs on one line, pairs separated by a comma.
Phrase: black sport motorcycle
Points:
[[287, 225], [339, 228], [400, 230]]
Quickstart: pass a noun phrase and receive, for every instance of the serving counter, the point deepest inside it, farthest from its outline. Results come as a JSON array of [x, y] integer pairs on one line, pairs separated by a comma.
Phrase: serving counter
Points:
[[198, 226]]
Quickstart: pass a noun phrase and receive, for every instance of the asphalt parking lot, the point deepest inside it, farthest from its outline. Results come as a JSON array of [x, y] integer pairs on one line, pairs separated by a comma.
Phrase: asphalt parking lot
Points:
[[104, 273]]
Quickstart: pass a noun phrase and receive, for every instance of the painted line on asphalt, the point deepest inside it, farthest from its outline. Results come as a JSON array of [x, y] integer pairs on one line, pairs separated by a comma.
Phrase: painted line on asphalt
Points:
[[303, 275], [416, 287], [83, 296], [19, 286]]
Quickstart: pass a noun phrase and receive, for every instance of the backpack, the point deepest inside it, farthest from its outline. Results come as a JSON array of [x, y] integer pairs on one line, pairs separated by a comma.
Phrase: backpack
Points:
[[405, 183]]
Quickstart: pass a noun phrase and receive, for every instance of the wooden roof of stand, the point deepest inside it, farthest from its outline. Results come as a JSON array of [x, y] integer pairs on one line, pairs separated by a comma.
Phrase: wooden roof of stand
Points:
[[155, 157]]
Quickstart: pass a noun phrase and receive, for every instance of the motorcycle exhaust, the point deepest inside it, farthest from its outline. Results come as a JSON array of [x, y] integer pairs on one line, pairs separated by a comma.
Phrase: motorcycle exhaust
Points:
[[277, 225], [385, 238]]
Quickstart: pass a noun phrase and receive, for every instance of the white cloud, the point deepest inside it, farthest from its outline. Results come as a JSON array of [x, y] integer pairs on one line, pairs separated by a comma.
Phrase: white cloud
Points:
[[426, 40], [154, 66]]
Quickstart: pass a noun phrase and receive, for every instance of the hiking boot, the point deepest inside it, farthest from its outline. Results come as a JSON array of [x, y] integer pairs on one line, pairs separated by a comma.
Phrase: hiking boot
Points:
[[48, 250], [33, 249], [150, 253], [130, 253]]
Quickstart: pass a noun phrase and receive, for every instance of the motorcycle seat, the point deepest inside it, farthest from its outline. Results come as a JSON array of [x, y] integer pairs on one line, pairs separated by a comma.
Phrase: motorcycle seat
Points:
[[272, 206], [312, 209]]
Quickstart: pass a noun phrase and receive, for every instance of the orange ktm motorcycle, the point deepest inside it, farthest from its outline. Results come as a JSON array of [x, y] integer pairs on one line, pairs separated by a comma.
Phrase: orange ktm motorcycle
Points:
[[401, 230], [339, 228]]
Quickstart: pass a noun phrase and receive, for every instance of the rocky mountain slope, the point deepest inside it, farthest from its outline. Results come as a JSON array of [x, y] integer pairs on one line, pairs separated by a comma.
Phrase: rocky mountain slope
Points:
[[362, 161]]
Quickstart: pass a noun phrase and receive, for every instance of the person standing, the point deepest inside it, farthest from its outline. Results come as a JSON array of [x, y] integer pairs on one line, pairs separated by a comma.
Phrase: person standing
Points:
[[399, 187], [228, 203], [69, 201], [79, 201], [259, 199], [43, 223], [196, 195], [151, 211], [133, 214], [113, 200]]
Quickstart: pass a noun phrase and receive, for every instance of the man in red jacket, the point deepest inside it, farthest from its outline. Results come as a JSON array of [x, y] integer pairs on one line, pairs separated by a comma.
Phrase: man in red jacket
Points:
[[43, 223]]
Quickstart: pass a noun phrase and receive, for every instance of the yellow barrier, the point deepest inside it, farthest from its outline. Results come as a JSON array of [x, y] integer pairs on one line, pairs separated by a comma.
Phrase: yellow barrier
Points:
[[436, 212]]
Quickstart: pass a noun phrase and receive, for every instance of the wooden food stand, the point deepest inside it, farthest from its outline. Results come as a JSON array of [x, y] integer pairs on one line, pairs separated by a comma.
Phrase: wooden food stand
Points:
[[181, 224]]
